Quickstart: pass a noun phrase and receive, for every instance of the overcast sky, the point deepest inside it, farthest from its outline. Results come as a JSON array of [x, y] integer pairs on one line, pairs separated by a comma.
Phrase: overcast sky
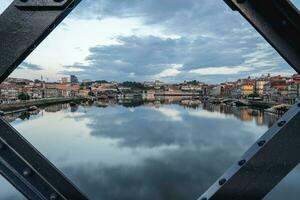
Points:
[[169, 40]]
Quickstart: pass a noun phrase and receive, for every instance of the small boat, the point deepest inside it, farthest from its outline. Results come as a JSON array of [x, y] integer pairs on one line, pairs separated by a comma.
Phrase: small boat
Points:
[[101, 104], [32, 108], [73, 104], [279, 109], [240, 103]]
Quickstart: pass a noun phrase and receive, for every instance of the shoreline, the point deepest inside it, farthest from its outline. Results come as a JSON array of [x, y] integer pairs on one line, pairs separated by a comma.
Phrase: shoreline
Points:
[[23, 105]]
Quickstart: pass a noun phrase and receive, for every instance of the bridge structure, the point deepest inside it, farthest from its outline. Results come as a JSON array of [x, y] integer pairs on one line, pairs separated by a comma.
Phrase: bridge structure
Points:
[[25, 23]]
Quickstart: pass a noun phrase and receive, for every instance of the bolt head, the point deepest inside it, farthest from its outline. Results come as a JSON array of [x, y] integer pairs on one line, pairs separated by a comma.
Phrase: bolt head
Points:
[[241, 162], [261, 143], [284, 23], [53, 196], [281, 123], [27, 172], [222, 181]]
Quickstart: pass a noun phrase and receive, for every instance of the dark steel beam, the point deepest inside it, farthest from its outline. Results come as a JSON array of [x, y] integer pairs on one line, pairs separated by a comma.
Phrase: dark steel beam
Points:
[[264, 165], [42, 5], [276, 153], [278, 21], [20, 162], [23, 25]]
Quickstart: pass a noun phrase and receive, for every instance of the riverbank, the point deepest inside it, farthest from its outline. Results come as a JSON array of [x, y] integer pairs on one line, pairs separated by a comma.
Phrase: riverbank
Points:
[[40, 102]]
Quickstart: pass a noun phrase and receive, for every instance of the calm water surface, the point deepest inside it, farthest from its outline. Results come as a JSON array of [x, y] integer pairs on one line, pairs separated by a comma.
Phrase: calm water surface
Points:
[[148, 152]]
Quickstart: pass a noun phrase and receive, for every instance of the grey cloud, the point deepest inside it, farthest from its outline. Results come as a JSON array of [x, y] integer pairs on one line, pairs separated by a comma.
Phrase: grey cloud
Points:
[[165, 178], [14, 197], [30, 66], [181, 173], [141, 58], [178, 175], [210, 35], [140, 132], [181, 16], [296, 3]]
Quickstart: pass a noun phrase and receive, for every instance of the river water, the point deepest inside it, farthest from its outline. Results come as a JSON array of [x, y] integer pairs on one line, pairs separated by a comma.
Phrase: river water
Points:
[[144, 151]]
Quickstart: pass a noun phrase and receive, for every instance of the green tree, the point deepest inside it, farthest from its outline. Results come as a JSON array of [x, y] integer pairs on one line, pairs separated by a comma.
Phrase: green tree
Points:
[[253, 95], [23, 96], [194, 82], [133, 85], [91, 94], [101, 81]]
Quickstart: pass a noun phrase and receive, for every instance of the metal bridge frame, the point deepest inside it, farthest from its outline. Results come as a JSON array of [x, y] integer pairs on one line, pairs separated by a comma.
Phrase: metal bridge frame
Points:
[[25, 23]]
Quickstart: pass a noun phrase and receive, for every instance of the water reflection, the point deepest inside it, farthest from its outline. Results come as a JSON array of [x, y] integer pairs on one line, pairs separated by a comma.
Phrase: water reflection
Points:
[[4, 4], [164, 149], [296, 3], [8, 192]]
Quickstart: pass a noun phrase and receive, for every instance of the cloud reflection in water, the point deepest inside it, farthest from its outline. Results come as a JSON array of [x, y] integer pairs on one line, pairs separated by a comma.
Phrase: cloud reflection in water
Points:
[[146, 152]]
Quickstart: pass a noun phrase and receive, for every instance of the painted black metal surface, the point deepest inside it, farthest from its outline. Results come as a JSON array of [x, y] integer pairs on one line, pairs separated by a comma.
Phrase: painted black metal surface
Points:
[[277, 152], [42, 4], [21, 30]]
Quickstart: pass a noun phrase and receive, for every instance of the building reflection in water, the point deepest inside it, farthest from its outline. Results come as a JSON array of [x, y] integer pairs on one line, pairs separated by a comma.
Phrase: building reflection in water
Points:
[[244, 113], [167, 148]]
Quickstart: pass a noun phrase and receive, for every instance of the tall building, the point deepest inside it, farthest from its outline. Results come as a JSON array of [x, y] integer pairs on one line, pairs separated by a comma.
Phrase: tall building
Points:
[[73, 79], [259, 85], [247, 87], [64, 80]]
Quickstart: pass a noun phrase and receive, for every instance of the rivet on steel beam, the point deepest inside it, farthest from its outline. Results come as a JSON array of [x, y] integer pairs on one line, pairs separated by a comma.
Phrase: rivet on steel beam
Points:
[[222, 181], [261, 143], [241, 162], [27, 172], [240, 1], [281, 123], [53, 26], [284, 23], [53, 196]]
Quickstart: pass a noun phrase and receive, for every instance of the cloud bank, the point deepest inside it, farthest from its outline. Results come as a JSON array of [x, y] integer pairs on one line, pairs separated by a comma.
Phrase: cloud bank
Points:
[[207, 39]]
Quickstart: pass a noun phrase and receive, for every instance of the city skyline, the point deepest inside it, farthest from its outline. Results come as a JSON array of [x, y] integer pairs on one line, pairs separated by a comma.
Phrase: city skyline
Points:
[[268, 88], [102, 41], [67, 78]]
